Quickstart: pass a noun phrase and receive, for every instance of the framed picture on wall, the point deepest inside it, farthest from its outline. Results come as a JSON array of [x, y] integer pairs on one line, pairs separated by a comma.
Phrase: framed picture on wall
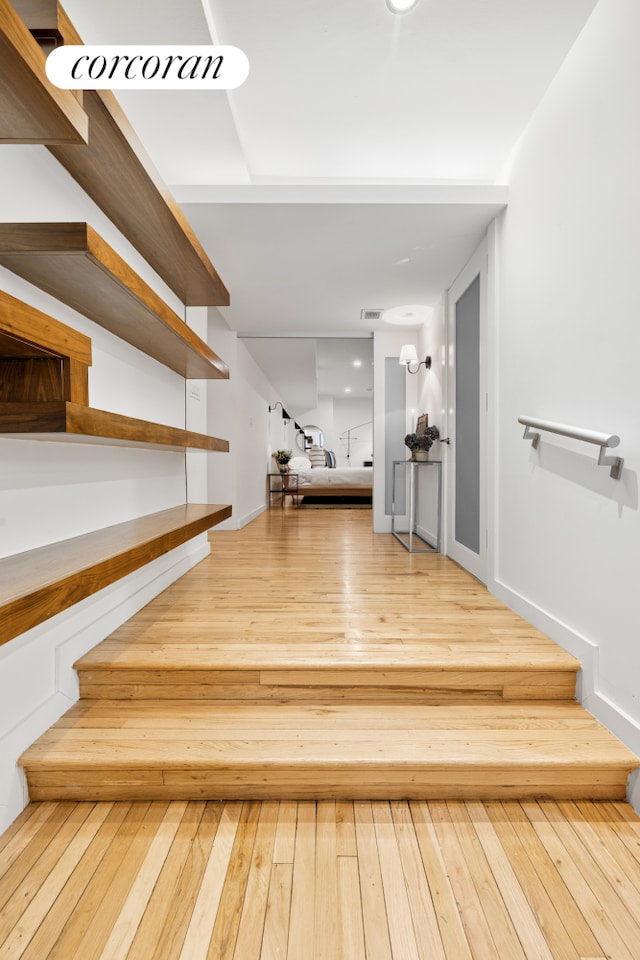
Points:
[[422, 424]]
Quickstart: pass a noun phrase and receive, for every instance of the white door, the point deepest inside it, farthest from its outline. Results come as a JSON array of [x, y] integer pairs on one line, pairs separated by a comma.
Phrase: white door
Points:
[[466, 529]]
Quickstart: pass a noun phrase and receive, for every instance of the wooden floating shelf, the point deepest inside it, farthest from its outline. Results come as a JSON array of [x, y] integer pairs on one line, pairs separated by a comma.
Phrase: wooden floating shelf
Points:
[[40, 583], [74, 264], [115, 170], [61, 420], [40, 358], [26, 331], [33, 110]]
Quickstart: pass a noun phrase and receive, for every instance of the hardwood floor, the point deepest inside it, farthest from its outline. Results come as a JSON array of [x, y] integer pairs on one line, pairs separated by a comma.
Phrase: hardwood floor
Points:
[[309, 658], [334, 622], [321, 881]]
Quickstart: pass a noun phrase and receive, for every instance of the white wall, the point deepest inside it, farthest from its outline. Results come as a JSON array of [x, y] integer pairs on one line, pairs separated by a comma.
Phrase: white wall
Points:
[[321, 416], [431, 384], [425, 394], [568, 536], [238, 410], [348, 414], [51, 491], [388, 344], [432, 400]]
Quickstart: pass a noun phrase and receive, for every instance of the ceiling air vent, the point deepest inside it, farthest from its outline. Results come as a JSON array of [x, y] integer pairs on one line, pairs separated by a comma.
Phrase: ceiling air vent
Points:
[[369, 314]]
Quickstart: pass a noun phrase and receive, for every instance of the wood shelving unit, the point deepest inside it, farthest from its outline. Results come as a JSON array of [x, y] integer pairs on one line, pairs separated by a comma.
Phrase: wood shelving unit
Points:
[[74, 264], [40, 583], [62, 420], [114, 169], [44, 364], [32, 110]]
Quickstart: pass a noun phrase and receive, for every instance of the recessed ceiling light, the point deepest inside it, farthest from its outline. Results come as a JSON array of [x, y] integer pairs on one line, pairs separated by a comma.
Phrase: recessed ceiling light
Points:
[[347, 389], [409, 315], [401, 6], [357, 363]]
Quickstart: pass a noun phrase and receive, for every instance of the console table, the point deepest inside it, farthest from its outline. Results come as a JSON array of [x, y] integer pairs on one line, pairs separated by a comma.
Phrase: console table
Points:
[[406, 474], [283, 484]]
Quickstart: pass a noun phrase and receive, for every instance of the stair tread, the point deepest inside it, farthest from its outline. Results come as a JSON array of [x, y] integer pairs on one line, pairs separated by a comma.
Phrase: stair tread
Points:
[[327, 656], [187, 734]]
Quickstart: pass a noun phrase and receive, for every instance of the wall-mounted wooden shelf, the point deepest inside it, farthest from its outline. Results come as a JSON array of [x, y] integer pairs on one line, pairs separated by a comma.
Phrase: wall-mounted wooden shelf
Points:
[[21, 322], [61, 420], [32, 110], [40, 358], [73, 263], [118, 174], [38, 584]]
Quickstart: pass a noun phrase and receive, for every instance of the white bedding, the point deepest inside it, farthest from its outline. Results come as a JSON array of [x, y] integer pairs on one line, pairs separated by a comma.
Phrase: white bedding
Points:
[[324, 476]]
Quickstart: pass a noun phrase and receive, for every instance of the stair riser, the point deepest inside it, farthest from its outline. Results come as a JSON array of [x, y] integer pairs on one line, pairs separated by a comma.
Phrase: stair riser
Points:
[[328, 686], [282, 783]]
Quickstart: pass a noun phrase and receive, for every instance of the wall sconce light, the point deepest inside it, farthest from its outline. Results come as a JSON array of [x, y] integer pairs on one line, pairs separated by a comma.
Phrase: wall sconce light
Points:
[[409, 355], [285, 415]]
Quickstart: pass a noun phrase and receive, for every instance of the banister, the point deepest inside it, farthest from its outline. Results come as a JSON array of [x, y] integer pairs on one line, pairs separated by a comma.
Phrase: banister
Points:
[[603, 440]]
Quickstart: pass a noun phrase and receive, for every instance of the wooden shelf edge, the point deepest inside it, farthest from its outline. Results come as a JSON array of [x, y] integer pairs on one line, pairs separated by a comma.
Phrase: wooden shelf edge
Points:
[[33, 110], [23, 322], [72, 262], [38, 584], [59, 419]]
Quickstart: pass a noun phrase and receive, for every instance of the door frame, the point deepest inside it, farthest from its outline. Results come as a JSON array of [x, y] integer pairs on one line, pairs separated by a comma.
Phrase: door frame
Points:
[[480, 264]]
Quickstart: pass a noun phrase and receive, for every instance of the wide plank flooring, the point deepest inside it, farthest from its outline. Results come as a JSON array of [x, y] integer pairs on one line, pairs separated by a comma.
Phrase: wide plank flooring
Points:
[[321, 881]]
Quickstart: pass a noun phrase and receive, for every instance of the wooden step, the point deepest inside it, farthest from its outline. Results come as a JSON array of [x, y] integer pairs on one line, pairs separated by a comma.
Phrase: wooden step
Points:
[[334, 672], [112, 750]]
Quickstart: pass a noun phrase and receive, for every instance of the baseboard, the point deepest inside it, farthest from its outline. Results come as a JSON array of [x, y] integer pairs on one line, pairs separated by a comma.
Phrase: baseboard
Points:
[[233, 523], [624, 727], [14, 796], [426, 534]]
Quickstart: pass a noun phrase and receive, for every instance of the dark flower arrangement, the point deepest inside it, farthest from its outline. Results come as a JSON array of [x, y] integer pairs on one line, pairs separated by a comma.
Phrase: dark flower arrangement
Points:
[[423, 442]]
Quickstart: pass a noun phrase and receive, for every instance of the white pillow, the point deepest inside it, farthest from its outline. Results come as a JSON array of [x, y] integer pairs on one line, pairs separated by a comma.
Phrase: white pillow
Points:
[[299, 463]]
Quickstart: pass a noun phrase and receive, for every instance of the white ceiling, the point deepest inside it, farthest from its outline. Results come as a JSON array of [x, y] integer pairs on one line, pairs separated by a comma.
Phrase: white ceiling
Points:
[[360, 163]]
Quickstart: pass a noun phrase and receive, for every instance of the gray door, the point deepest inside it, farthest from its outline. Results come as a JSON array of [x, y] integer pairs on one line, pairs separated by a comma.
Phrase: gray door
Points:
[[466, 541], [467, 406]]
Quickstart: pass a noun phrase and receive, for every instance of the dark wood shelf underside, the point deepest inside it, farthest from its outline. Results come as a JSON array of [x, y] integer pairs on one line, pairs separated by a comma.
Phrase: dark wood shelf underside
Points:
[[118, 175], [73, 263], [32, 110]]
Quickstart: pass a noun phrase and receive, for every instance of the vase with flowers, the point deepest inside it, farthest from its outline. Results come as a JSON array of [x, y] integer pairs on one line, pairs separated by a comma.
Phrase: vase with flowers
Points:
[[421, 444], [282, 458]]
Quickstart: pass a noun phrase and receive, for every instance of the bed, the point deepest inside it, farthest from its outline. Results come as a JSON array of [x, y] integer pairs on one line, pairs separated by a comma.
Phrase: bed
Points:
[[332, 481]]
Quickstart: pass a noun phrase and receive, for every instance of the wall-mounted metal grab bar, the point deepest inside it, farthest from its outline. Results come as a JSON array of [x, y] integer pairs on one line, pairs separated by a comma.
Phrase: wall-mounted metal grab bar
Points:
[[602, 440]]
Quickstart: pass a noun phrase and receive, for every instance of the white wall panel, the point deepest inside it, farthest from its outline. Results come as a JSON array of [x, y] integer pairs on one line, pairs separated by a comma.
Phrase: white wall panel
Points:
[[568, 535]]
